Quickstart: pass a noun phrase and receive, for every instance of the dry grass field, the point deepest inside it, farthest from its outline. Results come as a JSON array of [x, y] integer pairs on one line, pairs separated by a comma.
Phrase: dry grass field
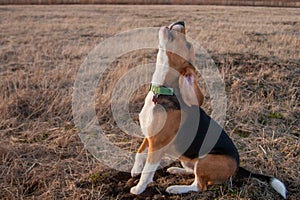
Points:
[[273, 3], [42, 47]]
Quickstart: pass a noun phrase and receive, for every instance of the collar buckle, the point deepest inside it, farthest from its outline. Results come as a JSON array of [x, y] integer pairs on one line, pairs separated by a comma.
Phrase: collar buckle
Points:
[[161, 90]]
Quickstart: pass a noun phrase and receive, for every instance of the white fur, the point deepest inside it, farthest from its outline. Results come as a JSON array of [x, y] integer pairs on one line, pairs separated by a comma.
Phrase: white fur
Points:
[[279, 187], [140, 159], [181, 171], [146, 115], [176, 170], [146, 178], [177, 27], [181, 189], [161, 69], [162, 61]]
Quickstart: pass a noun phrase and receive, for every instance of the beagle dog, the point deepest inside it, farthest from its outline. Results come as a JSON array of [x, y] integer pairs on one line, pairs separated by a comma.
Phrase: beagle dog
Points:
[[171, 106]]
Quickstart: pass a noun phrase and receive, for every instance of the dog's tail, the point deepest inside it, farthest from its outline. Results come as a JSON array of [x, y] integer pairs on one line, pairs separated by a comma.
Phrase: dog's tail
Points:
[[274, 182]]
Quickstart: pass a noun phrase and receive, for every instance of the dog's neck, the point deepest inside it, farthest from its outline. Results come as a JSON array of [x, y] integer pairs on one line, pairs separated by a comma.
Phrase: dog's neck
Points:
[[164, 75], [161, 68]]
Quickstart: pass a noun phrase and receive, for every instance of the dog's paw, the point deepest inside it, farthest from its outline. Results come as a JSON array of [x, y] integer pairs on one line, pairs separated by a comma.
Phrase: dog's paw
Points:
[[137, 190], [180, 189], [174, 190], [176, 170]]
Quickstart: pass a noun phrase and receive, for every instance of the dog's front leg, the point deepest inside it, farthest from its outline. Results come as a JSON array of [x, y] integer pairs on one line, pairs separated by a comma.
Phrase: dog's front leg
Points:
[[140, 159], [150, 167]]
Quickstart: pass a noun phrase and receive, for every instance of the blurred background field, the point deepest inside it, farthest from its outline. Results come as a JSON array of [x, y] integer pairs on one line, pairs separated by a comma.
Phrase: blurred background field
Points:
[[256, 50], [272, 3]]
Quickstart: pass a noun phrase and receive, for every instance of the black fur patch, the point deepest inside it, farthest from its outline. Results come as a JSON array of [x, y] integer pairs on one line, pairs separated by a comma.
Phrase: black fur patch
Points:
[[194, 132], [223, 146], [168, 102]]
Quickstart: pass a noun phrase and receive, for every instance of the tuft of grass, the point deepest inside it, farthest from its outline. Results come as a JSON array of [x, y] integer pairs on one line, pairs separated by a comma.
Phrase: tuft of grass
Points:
[[95, 178], [242, 133], [262, 121], [275, 116]]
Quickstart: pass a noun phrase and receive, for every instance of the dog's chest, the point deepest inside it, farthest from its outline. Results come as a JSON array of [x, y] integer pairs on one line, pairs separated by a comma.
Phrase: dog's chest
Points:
[[156, 108], [146, 114]]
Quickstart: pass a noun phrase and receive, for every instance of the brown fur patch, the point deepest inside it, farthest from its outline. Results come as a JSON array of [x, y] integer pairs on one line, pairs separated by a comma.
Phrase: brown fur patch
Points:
[[143, 146], [214, 169]]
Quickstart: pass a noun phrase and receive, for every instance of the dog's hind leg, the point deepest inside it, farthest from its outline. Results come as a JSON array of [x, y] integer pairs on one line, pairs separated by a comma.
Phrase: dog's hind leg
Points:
[[180, 189], [214, 169]]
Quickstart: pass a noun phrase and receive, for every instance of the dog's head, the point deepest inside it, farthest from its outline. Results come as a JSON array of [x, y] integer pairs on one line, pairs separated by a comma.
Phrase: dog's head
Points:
[[179, 51], [177, 55]]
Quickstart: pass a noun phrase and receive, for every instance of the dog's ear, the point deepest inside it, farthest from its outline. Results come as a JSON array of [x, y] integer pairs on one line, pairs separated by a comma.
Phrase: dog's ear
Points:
[[189, 89]]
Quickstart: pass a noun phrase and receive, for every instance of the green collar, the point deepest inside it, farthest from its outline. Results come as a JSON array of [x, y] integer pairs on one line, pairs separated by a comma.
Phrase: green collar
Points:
[[157, 90]]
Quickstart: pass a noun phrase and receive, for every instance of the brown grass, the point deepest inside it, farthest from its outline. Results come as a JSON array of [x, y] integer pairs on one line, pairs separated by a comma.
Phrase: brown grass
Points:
[[42, 47], [272, 3]]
